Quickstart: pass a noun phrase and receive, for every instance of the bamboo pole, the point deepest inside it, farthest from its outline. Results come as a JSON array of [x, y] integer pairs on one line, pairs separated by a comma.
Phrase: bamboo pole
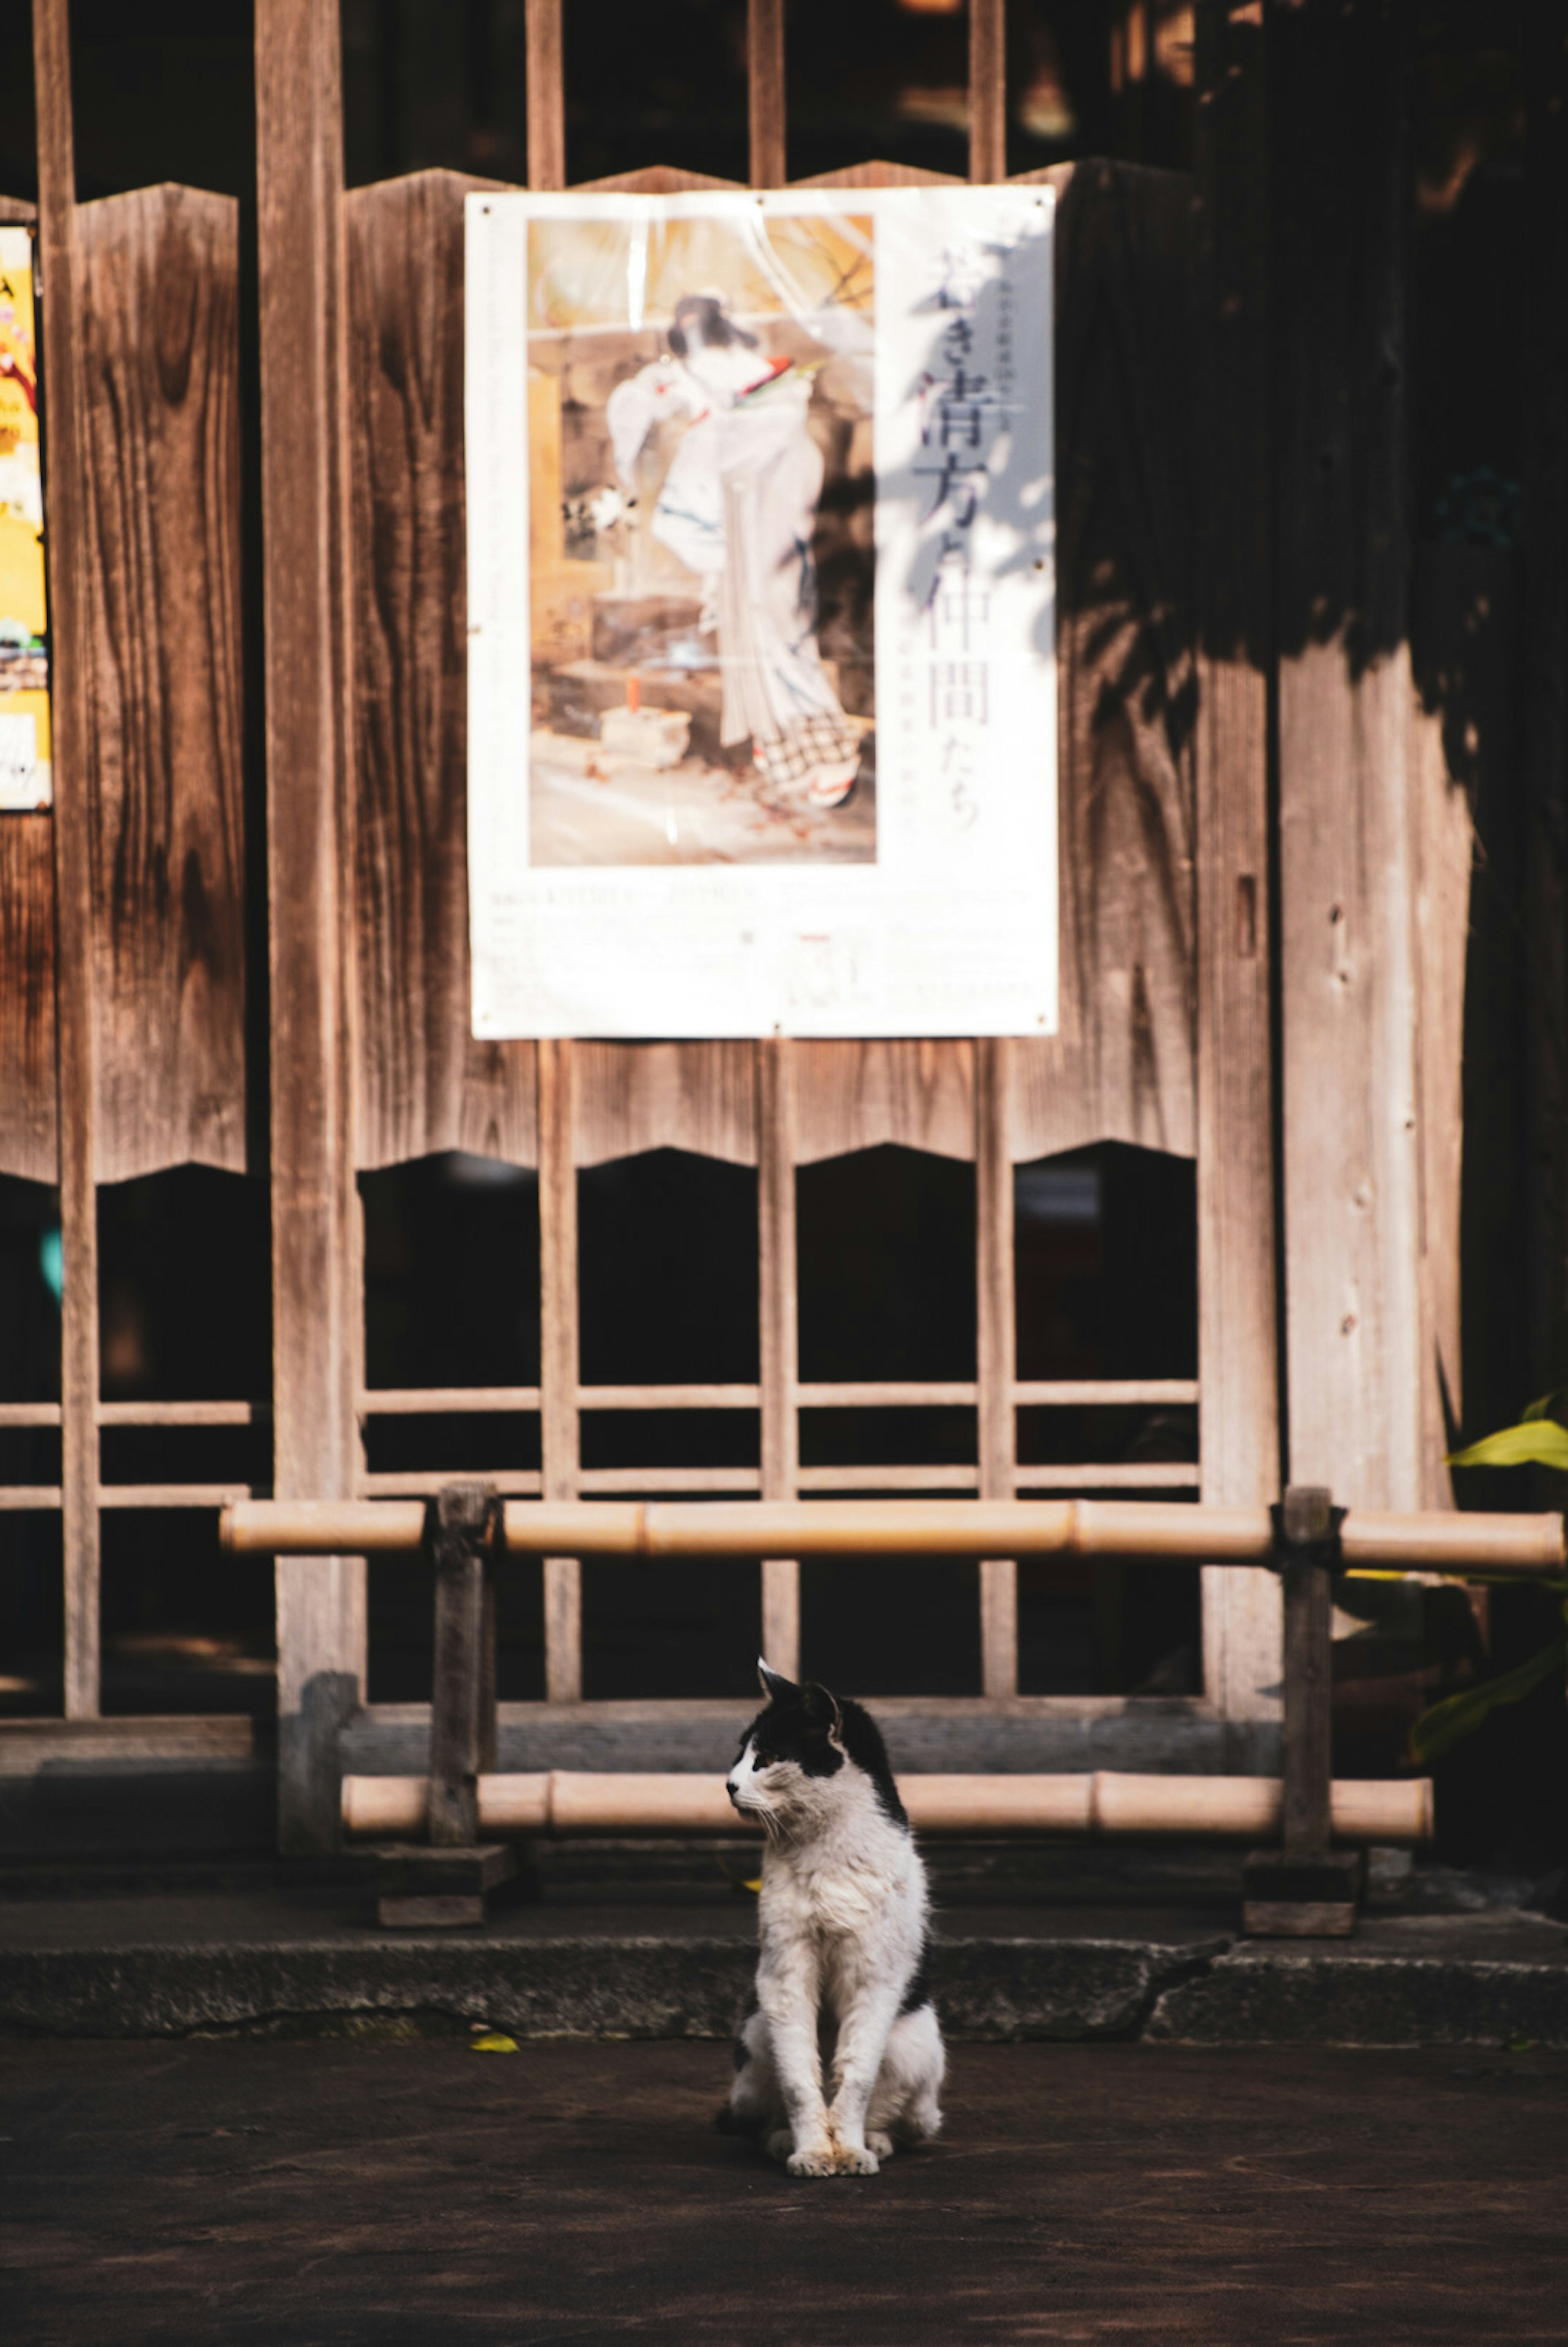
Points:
[[1107, 1803], [1156, 1531]]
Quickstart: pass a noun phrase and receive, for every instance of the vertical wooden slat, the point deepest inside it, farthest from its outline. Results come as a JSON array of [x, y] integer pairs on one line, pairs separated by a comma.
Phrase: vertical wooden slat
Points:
[[161, 337], [778, 1337], [765, 92], [307, 604], [1543, 562], [1121, 1066], [1348, 956], [546, 102], [987, 90], [995, 1350], [1237, 1333], [424, 1083], [70, 646], [558, 1416]]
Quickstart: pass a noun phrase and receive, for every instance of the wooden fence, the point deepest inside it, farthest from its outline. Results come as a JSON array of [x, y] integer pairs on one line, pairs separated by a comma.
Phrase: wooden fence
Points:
[[1198, 557]]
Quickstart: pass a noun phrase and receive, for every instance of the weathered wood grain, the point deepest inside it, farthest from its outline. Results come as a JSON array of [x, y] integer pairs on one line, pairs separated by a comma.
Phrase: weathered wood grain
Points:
[[70, 638], [881, 175], [857, 1095], [546, 97], [1347, 833], [317, 1303], [1462, 625], [635, 1096], [28, 1127], [423, 1083], [1238, 1334], [160, 348], [1121, 1067], [987, 90], [765, 93], [654, 179]]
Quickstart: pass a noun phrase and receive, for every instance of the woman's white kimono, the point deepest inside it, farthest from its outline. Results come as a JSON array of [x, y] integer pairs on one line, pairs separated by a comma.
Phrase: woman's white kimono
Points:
[[737, 508]]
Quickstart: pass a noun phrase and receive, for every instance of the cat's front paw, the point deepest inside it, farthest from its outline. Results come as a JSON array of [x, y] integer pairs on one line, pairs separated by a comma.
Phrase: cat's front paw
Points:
[[857, 2159], [823, 2158]]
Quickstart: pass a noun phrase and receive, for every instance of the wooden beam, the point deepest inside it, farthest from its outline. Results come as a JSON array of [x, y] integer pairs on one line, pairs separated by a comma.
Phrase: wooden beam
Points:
[[59, 257], [1238, 1329], [996, 1345], [1349, 950], [558, 1420], [765, 91], [316, 1304], [987, 90], [546, 101], [777, 1337]]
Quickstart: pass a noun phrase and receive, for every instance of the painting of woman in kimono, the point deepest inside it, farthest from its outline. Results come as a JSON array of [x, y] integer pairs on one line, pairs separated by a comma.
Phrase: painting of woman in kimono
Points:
[[737, 509]]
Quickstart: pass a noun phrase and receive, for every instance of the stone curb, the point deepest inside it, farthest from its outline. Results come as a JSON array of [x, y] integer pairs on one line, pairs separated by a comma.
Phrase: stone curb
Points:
[[1210, 1993]]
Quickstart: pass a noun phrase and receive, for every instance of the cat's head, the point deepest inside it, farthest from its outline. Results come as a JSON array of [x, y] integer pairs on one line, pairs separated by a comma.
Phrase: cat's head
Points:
[[793, 1757]]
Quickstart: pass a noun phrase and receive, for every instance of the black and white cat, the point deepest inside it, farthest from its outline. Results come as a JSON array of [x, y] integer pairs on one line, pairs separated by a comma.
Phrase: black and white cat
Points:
[[844, 1918]]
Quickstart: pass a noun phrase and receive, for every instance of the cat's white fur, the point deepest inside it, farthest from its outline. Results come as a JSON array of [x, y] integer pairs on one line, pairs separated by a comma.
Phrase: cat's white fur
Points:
[[843, 1914]]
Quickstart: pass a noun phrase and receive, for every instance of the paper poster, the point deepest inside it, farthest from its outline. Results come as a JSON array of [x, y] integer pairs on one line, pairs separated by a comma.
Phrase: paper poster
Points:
[[26, 777], [762, 696]]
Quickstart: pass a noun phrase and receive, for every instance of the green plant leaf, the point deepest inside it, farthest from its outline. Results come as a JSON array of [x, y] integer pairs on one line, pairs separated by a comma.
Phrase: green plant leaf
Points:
[[1548, 1404], [1437, 1731], [1541, 1439]]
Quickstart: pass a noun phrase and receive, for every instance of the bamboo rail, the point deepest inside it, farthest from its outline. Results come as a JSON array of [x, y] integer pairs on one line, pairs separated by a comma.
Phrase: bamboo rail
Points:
[[1104, 1803], [1157, 1531]]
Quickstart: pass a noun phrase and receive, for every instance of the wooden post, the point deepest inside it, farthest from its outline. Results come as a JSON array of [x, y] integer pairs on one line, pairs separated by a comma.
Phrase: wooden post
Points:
[[546, 105], [765, 91], [558, 1415], [987, 90], [316, 1304], [1544, 607], [1357, 1361], [778, 1339], [1304, 1888], [71, 704], [1308, 1522], [463, 1519], [1237, 1330], [996, 1348]]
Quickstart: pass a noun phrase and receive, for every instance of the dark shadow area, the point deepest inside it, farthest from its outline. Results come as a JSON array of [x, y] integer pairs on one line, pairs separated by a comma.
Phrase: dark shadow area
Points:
[[886, 1242], [452, 1274], [185, 1627], [912, 1627], [671, 1630], [185, 1288], [1106, 1249], [667, 1249]]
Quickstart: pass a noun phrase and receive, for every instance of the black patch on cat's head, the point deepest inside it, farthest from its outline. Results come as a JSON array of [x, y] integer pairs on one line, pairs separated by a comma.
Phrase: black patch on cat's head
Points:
[[817, 1732], [801, 1724]]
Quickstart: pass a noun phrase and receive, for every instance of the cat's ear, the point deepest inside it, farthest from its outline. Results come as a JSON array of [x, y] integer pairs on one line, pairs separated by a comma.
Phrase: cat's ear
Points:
[[822, 1709], [774, 1685]]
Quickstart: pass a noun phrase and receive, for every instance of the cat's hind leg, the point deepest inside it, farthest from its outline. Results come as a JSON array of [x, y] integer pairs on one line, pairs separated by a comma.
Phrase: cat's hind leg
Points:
[[905, 2106], [755, 2102]]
